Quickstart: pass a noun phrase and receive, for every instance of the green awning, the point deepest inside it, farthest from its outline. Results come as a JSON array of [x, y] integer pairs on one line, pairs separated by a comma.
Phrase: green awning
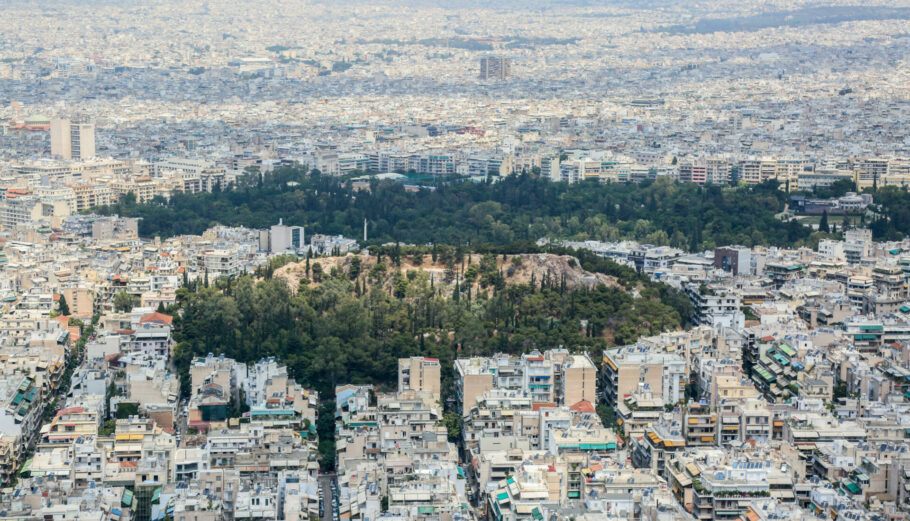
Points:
[[26, 466], [597, 446], [852, 487], [127, 499], [787, 350], [156, 495], [536, 514], [502, 496], [764, 373]]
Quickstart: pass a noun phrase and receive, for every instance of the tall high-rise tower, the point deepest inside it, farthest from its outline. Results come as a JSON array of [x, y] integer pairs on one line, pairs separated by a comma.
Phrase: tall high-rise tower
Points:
[[70, 140], [495, 68]]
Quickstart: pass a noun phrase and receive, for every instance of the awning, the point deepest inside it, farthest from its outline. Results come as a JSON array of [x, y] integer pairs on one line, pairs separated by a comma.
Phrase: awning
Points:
[[765, 374]]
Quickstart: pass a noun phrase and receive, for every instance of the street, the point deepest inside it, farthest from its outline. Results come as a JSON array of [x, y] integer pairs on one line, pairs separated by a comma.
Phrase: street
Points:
[[326, 481]]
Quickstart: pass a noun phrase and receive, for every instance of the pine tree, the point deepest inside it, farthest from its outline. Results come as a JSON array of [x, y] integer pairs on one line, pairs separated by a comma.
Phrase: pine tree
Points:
[[823, 224]]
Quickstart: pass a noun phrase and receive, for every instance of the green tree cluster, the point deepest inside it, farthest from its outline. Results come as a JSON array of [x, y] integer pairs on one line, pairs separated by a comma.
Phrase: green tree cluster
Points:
[[125, 302], [518, 208], [344, 331]]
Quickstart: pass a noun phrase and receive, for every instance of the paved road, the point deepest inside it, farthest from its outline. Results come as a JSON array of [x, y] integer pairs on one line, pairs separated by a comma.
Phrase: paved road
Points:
[[326, 481]]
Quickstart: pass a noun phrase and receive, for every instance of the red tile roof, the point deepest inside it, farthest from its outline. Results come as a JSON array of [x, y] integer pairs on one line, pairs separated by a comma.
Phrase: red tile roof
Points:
[[156, 318], [70, 410], [583, 406]]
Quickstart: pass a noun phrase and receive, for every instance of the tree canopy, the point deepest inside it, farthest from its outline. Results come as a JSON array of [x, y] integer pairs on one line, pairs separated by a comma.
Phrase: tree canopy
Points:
[[354, 330], [518, 208]]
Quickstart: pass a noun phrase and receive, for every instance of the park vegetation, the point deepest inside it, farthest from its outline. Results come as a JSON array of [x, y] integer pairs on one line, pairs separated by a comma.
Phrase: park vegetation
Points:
[[518, 208], [354, 325]]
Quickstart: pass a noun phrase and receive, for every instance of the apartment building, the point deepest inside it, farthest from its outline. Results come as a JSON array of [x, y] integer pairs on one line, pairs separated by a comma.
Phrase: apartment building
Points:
[[555, 377], [419, 374], [636, 367], [715, 306]]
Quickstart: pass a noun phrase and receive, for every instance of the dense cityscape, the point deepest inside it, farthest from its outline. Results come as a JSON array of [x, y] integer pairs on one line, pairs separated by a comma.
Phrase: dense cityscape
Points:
[[454, 260]]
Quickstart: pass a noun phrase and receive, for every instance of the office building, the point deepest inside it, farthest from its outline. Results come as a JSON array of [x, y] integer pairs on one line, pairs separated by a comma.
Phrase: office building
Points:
[[281, 238], [70, 140], [734, 259], [495, 68]]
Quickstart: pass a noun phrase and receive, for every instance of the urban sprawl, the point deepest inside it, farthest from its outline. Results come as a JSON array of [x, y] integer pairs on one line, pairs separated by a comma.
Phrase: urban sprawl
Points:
[[786, 395]]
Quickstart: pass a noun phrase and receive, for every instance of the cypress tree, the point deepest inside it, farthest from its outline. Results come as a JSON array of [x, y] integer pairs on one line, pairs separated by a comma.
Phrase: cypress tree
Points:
[[63, 307], [823, 224]]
